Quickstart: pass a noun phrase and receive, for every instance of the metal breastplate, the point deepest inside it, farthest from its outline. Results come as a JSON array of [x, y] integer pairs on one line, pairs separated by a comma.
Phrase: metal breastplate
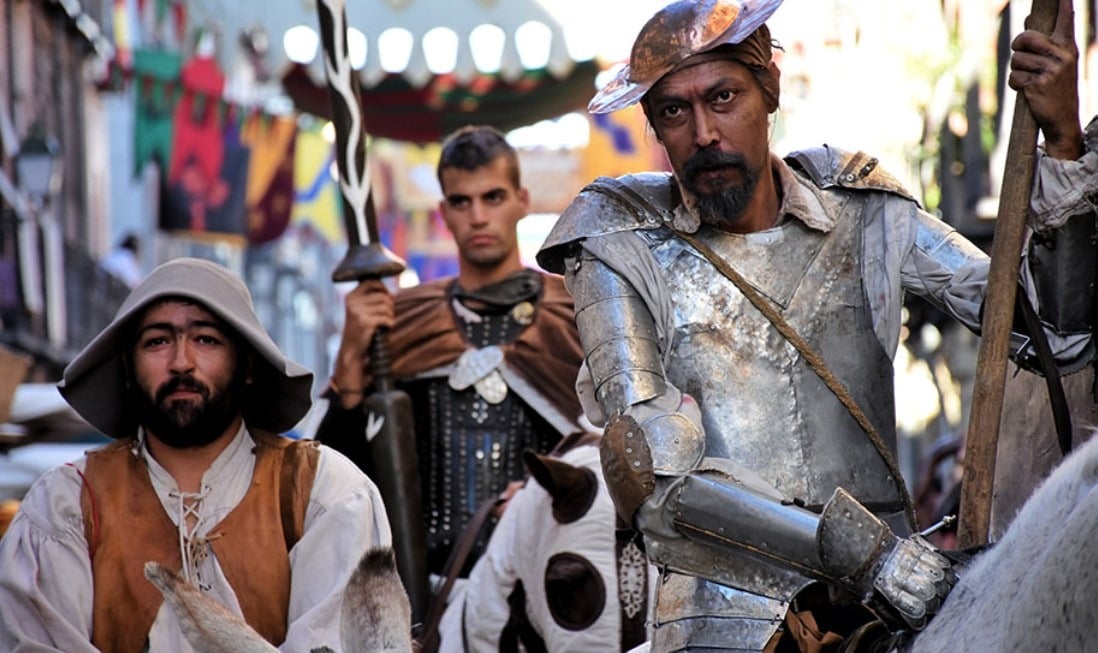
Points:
[[762, 405]]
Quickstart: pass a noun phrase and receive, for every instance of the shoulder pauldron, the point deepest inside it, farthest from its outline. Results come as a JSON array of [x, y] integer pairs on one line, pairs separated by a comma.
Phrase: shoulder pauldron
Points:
[[608, 205], [829, 167]]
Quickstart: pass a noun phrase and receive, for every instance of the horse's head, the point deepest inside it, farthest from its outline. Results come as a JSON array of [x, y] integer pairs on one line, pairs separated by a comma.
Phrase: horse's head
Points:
[[572, 489], [559, 563]]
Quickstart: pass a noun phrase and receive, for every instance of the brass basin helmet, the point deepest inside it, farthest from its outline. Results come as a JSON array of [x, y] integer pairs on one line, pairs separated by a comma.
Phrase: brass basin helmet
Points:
[[679, 31]]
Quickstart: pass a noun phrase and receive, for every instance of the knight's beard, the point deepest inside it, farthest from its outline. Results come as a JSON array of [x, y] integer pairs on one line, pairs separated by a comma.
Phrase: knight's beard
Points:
[[721, 208], [188, 423]]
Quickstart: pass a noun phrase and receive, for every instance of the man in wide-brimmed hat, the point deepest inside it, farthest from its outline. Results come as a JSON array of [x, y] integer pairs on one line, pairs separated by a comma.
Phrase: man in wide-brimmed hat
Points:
[[740, 316], [199, 479]]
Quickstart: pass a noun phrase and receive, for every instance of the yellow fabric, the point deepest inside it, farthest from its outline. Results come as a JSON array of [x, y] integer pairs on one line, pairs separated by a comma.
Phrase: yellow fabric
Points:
[[316, 195], [267, 138]]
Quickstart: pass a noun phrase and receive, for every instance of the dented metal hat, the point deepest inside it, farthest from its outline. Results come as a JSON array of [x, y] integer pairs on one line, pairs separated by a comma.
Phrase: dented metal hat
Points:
[[674, 34]]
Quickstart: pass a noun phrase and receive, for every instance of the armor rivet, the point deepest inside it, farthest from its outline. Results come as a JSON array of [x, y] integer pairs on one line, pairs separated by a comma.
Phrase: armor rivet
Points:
[[848, 178], [629, 450], [629, 434], [636, 463]]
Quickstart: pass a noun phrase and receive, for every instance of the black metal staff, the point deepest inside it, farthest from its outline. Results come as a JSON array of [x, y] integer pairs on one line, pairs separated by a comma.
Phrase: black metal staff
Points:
[[391, 450]]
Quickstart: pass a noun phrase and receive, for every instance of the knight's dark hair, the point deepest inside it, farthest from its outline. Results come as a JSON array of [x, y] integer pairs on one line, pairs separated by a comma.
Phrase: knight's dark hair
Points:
[[475, 146]]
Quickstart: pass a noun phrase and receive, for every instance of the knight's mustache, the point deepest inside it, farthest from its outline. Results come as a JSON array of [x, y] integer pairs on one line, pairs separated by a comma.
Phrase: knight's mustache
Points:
[[711, 160]]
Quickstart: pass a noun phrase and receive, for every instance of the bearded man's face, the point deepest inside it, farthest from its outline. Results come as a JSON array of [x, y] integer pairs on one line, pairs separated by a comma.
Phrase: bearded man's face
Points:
[[712, 119], [187, 383], [719, 204]]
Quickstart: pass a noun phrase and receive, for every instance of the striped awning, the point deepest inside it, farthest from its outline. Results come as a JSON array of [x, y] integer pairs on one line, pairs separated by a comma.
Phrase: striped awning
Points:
[[394, 108]]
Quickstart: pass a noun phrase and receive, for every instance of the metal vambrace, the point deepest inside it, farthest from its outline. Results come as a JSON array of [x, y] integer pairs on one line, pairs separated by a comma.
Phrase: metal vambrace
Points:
[[904, 580]]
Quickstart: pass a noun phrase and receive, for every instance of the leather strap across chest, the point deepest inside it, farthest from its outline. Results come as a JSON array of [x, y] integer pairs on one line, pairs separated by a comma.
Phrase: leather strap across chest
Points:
[[815, 361]]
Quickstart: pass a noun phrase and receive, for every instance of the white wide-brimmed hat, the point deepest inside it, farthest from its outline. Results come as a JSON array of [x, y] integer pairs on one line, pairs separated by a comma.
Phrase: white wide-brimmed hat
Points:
[[94, 382]]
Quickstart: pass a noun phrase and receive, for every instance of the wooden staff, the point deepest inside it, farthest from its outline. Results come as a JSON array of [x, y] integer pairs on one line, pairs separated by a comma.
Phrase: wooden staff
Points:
[[390, 433], [982, 439]]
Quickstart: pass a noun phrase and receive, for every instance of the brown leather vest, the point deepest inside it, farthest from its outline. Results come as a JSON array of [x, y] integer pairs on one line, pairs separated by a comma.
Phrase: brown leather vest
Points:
[[126, 526]]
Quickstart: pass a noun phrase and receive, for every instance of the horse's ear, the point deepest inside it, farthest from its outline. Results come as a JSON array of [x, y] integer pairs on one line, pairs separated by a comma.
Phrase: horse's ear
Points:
[[376, 614], [206, 624], [573, 488]]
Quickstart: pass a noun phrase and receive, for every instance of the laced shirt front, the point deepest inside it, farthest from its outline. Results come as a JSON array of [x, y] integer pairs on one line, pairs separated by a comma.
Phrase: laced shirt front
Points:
[[53, 611]]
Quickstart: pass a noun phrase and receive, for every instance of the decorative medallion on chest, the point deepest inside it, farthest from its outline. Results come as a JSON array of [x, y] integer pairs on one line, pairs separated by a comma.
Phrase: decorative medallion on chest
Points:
[[480, 368], [523, 313]]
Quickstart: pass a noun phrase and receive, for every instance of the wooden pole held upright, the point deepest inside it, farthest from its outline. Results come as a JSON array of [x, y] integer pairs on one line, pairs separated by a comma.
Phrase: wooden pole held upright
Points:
[[982, 438]]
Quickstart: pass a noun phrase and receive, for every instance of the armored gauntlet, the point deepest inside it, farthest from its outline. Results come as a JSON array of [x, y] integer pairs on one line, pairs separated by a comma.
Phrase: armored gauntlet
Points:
[[904, 580]]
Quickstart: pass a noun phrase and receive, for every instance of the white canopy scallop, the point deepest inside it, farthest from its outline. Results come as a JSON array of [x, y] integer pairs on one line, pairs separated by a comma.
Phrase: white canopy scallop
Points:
[[507, 35]]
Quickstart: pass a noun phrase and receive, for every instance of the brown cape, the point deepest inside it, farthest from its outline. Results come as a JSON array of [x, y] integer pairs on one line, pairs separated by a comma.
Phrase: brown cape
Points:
[[547, 354]]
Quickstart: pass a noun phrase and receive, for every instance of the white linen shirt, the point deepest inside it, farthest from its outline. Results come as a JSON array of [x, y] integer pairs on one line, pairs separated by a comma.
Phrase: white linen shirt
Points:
[[46, 579]]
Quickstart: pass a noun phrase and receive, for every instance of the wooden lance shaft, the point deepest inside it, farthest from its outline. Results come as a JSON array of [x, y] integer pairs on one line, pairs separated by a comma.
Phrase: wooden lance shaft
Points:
[[982, 439], [391, 449]]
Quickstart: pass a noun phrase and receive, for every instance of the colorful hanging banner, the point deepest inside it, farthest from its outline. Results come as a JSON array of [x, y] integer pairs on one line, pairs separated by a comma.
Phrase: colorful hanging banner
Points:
[[620, 143], [204, 191], [270, 192], [155, 85], [316, 196], [197, 139]]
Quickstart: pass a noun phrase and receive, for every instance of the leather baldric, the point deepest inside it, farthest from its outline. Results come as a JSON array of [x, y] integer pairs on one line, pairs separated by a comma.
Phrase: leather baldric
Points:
[[814, 360]]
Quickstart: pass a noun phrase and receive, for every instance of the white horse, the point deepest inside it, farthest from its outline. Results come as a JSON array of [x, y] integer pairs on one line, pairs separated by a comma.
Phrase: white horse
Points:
[[1036, 589], [559, 573]]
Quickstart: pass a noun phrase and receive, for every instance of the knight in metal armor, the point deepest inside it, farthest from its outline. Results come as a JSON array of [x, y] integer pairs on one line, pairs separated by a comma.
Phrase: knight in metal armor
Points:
[[739, 318], [489, 358]]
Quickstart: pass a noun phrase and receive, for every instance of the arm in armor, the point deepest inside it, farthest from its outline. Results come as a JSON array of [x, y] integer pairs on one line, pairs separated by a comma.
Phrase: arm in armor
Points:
[[942, 266], [653, 455], [1057, 276], [1061, 259]]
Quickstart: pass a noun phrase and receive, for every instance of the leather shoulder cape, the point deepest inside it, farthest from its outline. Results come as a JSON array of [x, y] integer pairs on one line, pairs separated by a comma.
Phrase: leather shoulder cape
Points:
[[547, 354]]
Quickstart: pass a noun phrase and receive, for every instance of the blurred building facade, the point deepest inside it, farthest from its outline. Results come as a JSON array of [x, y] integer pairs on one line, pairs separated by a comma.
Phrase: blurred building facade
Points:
[[51, 298]]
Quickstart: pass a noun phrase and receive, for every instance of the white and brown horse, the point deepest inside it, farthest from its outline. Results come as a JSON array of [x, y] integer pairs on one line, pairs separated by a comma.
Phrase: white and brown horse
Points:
[[560, 572]]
